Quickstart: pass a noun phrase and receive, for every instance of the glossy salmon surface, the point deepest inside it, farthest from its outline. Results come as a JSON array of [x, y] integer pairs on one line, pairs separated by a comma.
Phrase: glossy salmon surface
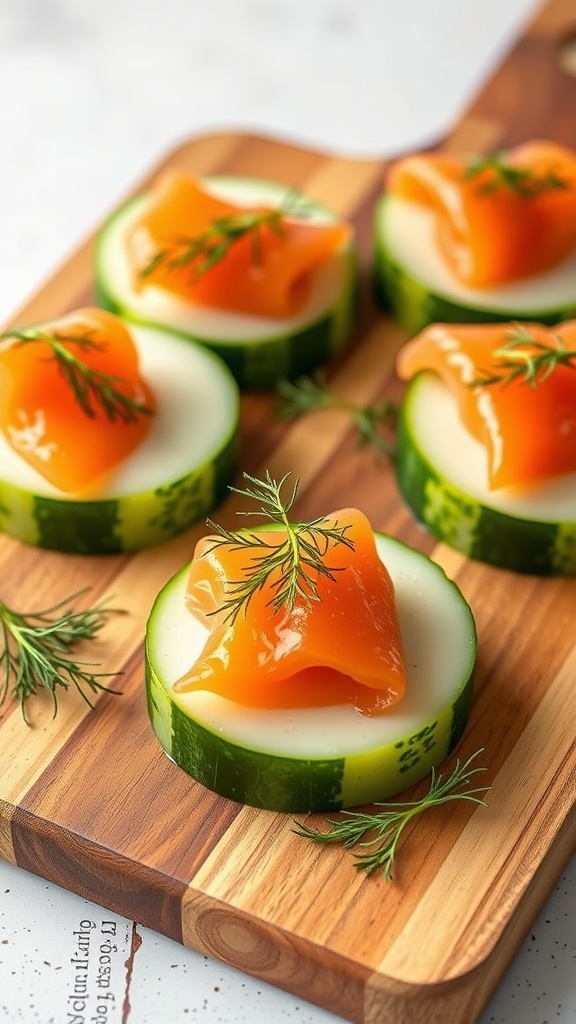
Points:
[[527, 425], [40, 412], [345, 647], [265, 271], [499, 219]]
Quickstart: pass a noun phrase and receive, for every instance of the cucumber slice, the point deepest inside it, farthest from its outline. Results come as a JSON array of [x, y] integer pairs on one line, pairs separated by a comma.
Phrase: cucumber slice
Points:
[[258, 350], [180, 471], [320, 759], [413, 281], [442, 472]]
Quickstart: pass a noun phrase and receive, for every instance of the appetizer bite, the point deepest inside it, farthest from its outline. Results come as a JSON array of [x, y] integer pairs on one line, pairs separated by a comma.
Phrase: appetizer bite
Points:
[[256, 271], [486, 453], [465, 240], [113, 437], [308, 666]]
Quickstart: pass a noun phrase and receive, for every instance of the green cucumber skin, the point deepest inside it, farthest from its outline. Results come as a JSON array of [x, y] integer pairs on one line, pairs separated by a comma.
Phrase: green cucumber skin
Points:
[[289, 785], [250, 776], [259, 365], [478, 531], [296, 785], [256, 365], [113, 526], [414, 306]]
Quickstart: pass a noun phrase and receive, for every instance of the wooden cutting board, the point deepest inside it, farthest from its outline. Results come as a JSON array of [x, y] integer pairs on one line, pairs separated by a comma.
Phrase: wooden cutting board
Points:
[[89, 801]]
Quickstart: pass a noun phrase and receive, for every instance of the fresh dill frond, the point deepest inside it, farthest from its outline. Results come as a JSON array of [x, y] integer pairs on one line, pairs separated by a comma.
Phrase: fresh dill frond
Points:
[[309, 394], [376, 835], [296, 564], [201, 252], [496, 173], [522, 357], [91, 387], [36, 651]]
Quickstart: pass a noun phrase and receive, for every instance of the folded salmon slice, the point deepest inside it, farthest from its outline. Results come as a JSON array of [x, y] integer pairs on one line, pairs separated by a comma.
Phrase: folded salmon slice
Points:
[[509, 219], [42, 419], [266, 272], [529, 432], [344, 648]]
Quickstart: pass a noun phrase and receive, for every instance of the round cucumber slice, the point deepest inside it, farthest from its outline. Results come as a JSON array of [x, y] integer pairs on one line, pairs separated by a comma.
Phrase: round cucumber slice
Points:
[[414, 282], [178, 474], [258, 350], [320, 759], [442, 472]]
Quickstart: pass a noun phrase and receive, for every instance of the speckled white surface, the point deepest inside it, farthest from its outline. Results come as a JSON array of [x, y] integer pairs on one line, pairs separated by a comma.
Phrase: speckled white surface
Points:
[[93, 95]]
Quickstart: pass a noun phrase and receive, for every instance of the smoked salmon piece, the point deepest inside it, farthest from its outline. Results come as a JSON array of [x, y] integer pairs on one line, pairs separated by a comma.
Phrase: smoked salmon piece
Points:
[[266, 272], [345, 647], [499, 219], [528, 430], [42, 418]]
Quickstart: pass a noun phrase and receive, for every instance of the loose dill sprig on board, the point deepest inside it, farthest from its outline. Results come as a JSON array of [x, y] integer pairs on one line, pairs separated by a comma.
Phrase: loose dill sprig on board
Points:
[[376, 835], [521, 181], [309, 394], [298, 562], [200, 253], [91, 387], [36, 651], [522, 357]]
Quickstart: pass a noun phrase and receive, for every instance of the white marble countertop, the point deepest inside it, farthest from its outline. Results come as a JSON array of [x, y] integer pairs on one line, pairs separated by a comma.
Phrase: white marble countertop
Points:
[[92, 96]]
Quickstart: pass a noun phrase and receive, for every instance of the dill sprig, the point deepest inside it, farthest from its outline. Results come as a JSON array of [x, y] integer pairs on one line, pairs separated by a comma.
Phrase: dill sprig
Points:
[[522, 181], [36, 648], [377, 834], [297, 563], [91, 387], [526, 359], [311, 394], [203, 251]]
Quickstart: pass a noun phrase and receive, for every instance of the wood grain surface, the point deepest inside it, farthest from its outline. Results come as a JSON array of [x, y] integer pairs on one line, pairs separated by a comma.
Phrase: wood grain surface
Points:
[[89, 800]]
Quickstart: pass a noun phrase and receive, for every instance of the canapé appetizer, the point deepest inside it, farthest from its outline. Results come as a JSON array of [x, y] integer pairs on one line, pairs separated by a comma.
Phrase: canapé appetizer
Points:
[[486, 453], [493, 238], [308, 666], [250, 268], [113, 437]]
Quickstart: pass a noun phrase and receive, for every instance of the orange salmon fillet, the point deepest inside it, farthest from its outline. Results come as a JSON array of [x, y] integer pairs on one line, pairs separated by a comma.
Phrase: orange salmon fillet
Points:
[[344, 648], [267, 273], [529, 432], [488, 232], [40, 416]]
